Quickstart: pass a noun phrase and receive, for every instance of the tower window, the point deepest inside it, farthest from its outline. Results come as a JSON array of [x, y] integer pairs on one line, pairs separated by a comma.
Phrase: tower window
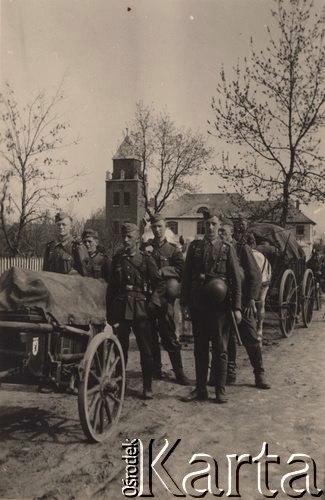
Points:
[[116, 227], [116, 198], [127, 198]]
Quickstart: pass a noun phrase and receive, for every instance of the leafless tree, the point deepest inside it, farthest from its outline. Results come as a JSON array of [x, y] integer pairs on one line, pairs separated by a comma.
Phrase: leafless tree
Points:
[[171, 157], [30, 169], [272, 108]]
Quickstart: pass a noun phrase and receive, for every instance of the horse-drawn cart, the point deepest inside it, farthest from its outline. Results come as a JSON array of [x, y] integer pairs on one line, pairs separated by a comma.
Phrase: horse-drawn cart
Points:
[[292, 288], [53, 332]]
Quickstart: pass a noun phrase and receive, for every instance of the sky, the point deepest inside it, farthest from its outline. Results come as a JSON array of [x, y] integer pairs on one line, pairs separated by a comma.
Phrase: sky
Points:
[[113, 53]]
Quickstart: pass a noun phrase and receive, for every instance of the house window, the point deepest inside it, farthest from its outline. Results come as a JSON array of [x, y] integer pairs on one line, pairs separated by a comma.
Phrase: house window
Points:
[[300, 230], [116, 198], [173, 225], [200, 227], [127, 198], [202, 209], [116, 227]]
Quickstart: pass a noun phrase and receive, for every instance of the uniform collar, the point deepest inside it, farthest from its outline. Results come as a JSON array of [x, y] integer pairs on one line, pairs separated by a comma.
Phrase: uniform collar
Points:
[[160, 243], [65, 242], [213, 242]]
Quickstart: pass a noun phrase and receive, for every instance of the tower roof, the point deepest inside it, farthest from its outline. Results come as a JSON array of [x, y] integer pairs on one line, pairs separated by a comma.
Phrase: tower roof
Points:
[[126, 151]]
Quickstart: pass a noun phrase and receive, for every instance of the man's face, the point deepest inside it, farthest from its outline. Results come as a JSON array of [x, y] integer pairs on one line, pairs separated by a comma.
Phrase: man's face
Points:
[[63, 227], [91, 244], [226, 233], [130, 241], [212, 227], [159, 229]]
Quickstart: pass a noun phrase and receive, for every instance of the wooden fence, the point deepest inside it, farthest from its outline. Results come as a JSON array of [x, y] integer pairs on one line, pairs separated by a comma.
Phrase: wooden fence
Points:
[[34, 263]]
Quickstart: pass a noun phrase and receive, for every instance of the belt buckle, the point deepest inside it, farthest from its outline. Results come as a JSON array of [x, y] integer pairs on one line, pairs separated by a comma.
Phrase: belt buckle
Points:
[[129, 288]]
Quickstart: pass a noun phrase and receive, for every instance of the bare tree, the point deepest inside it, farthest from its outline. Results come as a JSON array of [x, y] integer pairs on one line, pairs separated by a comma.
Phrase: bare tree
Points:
[[171, 157], [272, 107], [30, 168]]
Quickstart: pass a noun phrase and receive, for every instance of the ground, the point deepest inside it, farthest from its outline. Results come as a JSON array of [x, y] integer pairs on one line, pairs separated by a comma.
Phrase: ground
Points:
[[44, 454]]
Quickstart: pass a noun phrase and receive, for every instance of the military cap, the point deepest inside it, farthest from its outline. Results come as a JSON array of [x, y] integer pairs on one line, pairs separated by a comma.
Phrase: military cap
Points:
[[128, 228], [89, 233], [62, 215], [157, 217]]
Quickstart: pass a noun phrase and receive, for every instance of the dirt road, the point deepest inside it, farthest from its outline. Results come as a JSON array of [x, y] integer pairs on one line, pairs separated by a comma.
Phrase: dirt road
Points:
[[44, 455]]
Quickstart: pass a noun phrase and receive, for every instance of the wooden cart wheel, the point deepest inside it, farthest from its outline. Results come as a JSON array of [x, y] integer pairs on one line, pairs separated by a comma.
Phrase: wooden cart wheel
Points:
[[102, 386], [307, 297], [288, 302]]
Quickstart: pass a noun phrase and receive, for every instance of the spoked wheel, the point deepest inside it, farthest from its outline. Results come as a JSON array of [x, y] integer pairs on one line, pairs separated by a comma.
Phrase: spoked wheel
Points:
[[102, 386], [288, 302], [308, 290]]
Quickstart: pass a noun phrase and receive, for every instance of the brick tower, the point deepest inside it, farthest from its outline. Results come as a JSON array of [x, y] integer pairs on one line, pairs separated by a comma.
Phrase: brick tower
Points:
[[124, 198]]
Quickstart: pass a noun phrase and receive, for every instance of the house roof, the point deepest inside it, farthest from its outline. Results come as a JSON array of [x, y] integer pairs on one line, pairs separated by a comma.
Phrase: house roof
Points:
[[126, 151], [295, 215], [187, 205]]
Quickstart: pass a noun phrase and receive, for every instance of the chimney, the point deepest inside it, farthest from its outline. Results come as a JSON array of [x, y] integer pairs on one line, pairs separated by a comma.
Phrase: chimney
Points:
[[108, 175]]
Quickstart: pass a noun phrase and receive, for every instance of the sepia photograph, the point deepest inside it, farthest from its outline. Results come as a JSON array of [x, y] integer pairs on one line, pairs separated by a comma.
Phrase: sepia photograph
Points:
[[162, 249]]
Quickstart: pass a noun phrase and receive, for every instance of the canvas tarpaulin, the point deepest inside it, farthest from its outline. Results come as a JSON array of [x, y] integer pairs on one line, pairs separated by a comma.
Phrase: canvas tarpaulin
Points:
[[71, 299], [279, 237]]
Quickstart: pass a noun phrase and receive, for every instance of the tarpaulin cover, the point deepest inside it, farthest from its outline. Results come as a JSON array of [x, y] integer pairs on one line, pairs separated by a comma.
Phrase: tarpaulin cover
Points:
[[71, 299], [279, 237]]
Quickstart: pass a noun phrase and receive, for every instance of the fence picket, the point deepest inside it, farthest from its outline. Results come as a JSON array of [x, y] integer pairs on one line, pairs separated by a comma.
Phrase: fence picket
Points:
[[33, 263]]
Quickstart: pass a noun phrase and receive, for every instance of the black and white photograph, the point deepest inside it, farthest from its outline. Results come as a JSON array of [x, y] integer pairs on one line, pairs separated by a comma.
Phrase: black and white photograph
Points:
[[162, 249]]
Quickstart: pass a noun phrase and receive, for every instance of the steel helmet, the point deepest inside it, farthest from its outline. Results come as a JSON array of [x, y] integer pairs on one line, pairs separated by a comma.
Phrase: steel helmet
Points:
[[172, 288], [215, 291]]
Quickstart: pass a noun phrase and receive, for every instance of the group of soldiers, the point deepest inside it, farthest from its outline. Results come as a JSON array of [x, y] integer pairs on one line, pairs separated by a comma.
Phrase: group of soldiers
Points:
[[218, 285]]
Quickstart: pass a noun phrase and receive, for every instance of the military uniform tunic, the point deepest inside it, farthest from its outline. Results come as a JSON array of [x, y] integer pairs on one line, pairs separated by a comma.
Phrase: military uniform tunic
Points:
[[206, 260], [99, 266], [170, 262], [65, 256], [127, 303]]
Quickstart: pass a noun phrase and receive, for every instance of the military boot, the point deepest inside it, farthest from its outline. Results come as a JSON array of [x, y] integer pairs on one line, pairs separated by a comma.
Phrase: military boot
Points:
[[147, 387], [176, 361], [231, 372], [255, 356], [221, 376]]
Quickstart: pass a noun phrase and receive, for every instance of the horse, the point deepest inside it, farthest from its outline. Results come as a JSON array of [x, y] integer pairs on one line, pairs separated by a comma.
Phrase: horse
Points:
[[266, 270]]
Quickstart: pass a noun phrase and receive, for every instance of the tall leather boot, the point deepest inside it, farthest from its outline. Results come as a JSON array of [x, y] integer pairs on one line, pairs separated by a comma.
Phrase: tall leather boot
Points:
[[255, 356], [232, 355], [221, 376], [176, 361], [147, 386]]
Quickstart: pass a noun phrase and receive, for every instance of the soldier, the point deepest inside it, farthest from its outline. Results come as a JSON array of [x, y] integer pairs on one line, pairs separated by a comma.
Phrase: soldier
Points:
[[226, 233], [132, 274], [99, 263], [251, 287], [209, 301], [170, 262], [65, 254]]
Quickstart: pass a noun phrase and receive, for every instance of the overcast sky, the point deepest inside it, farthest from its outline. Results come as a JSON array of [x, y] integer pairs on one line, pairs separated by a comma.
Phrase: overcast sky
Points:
[[166, 52]]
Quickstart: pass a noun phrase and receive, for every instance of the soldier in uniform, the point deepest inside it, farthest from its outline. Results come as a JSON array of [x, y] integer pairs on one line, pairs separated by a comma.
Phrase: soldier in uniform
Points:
[[133, 273], [65, 254], [251, 287], [206, 260], [99, 263], [170, 262]]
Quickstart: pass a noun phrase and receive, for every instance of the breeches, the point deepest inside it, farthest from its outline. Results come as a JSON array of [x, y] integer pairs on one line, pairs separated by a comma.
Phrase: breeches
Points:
[[164, 326], [141, 330]]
